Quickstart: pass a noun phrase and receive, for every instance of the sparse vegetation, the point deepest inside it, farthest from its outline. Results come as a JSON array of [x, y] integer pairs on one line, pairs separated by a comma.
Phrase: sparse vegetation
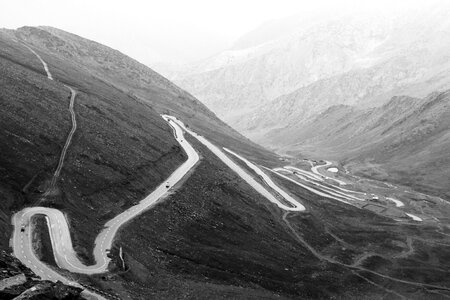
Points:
[[214, 237]]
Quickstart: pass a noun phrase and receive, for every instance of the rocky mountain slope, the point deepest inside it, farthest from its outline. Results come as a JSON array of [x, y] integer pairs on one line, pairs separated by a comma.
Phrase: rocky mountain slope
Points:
[[405, 140], [126, 74], [19, 282], [214, 236], [122, 148], [302, 67], [280, 84]]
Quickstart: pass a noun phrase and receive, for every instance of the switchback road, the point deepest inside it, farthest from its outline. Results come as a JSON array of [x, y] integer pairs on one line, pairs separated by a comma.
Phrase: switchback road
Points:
[[63, 251]]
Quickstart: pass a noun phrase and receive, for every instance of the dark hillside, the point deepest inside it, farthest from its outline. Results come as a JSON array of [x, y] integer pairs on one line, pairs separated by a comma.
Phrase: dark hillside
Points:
[[122, 148], [65, 51], [213, 237]]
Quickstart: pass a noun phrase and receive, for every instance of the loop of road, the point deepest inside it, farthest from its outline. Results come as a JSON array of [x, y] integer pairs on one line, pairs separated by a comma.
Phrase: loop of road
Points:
[[65, 255]]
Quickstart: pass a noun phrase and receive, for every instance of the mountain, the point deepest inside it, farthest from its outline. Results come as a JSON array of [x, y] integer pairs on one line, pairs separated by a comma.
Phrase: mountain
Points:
[[212, 234], [291, 69], [280, 82], [405, 140], [121, 150]]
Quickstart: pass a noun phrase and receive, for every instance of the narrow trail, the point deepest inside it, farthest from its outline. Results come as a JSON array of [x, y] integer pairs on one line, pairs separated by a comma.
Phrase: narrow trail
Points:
[[365, 256], [55, 177], [87, 290], [389, 291], [66, 257], [73, 94], [409, 244], [49, 75], [338, 239], [355, 267]]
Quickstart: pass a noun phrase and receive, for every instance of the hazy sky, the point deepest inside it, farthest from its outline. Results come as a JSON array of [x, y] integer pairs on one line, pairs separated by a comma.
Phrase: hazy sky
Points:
[[170, 30]]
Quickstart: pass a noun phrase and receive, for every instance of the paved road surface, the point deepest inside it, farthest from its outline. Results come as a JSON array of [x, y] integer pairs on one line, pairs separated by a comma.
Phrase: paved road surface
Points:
[[315, 169], [63, 251], [244, 175], [319, 192], [64, 254], [330, 191], [295, 205]]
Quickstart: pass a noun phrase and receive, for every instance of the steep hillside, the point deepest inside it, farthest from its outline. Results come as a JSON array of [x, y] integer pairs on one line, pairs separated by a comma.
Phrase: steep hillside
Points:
[[70, 55], [212, 235], [291, 69], [406, 140], [122, 148]]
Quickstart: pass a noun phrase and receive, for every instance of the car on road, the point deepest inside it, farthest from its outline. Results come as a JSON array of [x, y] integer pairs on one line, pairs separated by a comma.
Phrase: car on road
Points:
[[22, 229], [167, 185]]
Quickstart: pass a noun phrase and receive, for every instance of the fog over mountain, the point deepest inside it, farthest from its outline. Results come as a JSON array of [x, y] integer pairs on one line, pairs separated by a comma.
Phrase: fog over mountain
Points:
[[289, 70], [281, 77]]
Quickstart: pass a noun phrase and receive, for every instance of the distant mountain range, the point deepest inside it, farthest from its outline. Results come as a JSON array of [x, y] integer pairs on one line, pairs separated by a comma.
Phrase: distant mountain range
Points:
[[284, 75]]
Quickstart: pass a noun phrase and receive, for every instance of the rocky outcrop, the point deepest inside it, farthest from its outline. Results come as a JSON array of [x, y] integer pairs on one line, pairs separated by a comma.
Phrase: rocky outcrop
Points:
[[19, 282]]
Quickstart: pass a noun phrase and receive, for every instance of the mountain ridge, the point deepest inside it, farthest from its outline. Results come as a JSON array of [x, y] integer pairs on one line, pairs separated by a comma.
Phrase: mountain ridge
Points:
[[143, 79], [360, 60]]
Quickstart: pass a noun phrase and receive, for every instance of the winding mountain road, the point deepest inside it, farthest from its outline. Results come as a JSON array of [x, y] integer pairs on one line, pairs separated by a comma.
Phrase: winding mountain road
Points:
[[315, 170], [328, 189], [29, 258], [314, 190], [294, 204], [331, 191], [64, 254], [59, 231], [73, 94]]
